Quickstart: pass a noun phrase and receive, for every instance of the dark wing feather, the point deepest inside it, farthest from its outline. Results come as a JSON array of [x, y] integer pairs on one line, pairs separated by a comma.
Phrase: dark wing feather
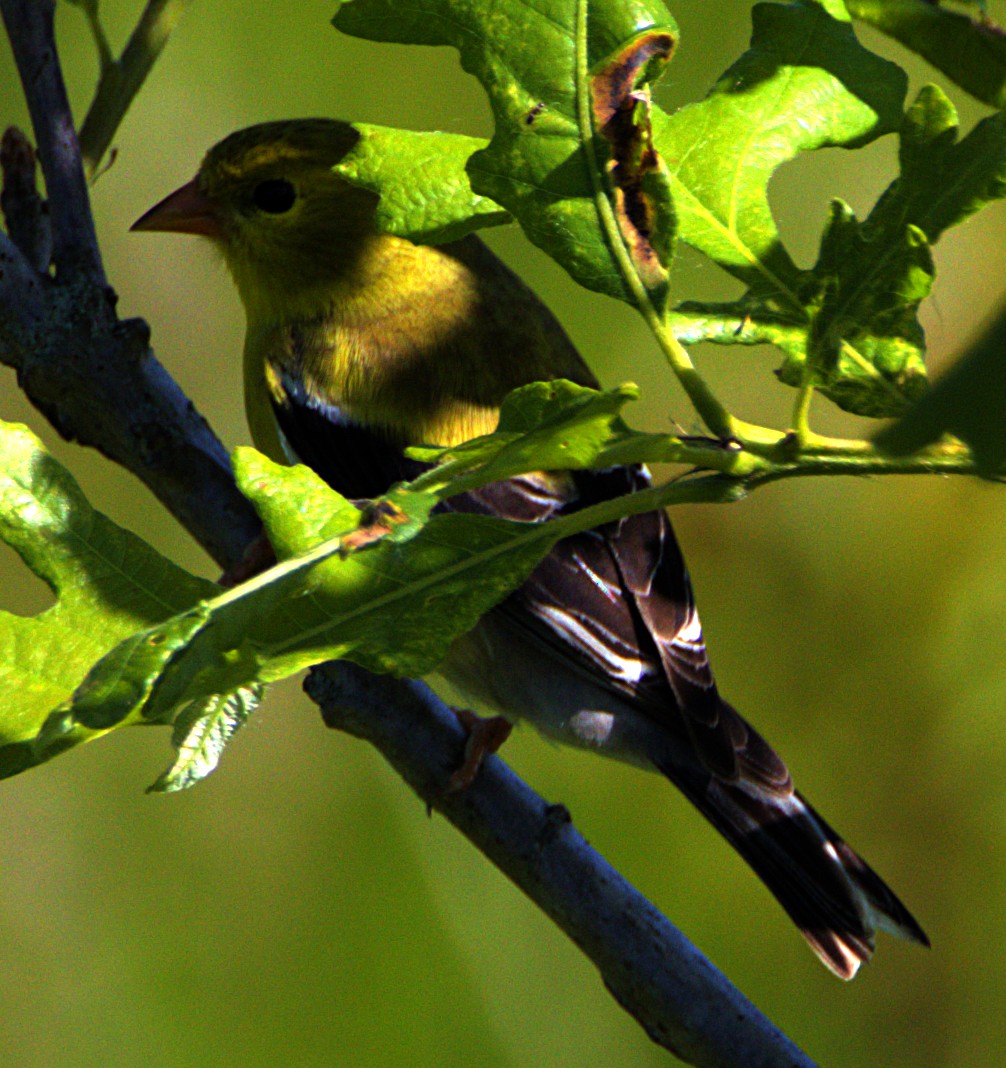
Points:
[[634, 627], [634, 623], [616, 603], [357, 462]]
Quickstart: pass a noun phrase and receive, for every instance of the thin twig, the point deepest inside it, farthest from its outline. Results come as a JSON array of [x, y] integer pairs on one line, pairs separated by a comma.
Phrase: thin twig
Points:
[[25, 212], [121, 79], [93, 16], [75, 243]]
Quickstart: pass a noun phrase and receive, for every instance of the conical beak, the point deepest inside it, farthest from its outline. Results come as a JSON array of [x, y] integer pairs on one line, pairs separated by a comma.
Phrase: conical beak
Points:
[[185, 211]]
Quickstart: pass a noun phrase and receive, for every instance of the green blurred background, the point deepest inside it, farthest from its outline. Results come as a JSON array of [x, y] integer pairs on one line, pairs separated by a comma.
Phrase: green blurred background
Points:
[[300, 908]]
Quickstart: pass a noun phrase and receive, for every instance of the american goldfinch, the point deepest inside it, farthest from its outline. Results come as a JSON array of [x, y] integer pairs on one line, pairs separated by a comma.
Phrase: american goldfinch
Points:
[[360, 343]]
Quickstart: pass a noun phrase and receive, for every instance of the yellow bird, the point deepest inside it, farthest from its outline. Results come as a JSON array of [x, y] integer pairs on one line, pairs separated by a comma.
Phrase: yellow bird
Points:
[[360, 343]]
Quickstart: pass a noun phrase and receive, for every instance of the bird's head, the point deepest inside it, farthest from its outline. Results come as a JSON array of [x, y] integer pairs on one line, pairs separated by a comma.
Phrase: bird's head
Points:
[[267, 196]]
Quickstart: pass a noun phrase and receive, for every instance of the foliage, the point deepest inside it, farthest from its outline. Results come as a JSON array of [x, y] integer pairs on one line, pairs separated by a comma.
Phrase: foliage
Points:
[[108, 584], [606, 183]]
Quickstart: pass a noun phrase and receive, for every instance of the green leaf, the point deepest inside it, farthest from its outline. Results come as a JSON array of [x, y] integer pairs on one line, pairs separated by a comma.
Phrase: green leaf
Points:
[[971, 50], [847, 326], [388, 605], [864, 349], [967, 401], [108, 584], [425, 193], [865, 346], [591, 168], [943, 181], [805, 83], [860, 340], [389, 587], [201, 732], [569, 157], [555, 425]]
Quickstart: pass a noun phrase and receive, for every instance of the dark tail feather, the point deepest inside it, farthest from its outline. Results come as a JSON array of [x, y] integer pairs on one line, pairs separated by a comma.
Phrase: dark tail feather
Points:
[[836, 899]]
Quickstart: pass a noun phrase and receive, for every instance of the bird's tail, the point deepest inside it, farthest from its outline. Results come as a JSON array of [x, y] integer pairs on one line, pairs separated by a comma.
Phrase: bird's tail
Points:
[[836, 899]]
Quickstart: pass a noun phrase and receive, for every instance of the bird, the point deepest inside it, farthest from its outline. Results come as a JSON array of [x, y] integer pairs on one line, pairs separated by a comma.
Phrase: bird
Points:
[[359, 344]]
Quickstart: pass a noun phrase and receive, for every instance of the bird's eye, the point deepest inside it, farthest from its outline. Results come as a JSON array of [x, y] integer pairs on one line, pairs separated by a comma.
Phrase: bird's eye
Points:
[[274, 195]]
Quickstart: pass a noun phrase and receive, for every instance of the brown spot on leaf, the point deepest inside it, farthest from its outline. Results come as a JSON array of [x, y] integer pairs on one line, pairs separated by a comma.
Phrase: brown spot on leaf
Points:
[[377, 522], [621, 103]]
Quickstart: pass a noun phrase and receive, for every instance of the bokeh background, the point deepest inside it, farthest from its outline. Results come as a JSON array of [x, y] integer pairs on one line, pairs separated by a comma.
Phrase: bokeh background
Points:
[[299, 908]]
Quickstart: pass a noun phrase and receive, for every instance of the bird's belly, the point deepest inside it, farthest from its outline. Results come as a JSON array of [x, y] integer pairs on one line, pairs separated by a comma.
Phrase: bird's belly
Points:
[[499, 668]]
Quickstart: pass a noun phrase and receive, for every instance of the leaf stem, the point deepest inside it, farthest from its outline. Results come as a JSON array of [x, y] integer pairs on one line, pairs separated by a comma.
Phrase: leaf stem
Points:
[[801, 413], [90, 9], [710, 409]]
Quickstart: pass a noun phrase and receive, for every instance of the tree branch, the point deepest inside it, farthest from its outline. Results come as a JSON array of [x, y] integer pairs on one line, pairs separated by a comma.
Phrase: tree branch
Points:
[[93, 376], [97, 381], [651, 969], [30, 28]]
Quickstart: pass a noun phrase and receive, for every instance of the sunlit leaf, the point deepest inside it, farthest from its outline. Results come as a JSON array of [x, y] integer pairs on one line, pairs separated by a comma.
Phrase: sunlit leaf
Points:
[[390, 586], [108, 584], [544, 164], [425, 194], [200, 734]]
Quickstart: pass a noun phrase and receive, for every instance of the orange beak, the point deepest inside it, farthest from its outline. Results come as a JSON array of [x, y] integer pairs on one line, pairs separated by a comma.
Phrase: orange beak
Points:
[[185, 211]]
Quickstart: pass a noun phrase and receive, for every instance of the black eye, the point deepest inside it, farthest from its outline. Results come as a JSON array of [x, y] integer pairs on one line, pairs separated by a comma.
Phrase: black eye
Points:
[[274, 195]]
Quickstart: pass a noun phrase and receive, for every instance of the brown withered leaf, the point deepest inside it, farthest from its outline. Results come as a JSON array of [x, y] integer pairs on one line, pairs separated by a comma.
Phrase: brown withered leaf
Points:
[[641, 191]]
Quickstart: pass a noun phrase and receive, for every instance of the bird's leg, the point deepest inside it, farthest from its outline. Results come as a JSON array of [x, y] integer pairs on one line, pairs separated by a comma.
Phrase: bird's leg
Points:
[[485, 736]]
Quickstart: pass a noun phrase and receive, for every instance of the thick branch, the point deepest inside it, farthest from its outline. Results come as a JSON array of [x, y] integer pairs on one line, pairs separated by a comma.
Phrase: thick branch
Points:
[[95, 378], [681, 1000]]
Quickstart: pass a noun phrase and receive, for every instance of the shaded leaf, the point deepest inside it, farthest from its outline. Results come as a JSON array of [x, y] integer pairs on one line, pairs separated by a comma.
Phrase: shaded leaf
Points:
[[864, 348], [967, 401], [970, 50]]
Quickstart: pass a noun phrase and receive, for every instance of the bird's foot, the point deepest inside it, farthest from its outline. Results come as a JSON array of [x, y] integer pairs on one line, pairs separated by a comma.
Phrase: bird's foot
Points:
[[485, 736]]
